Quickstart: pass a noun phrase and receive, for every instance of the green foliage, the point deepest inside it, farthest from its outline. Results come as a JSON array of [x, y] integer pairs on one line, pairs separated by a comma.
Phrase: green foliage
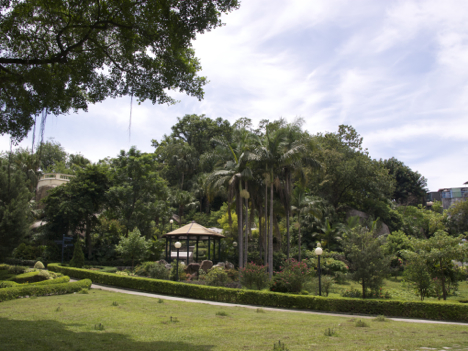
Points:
[[380, 318], [153, 270], [29, 252], [280, 347], [133, 247], [99, 326], [327, 283], [217, 277], [396, 242], [437, 253], [417, 274], [362, 324], [39, 265], [30, 277], [78, 258], [292, 276], [458, 217], [7, 284], [222, 314], [420, 222], [83, 291], [368, 263], [254, 276], [370, 294], [427, 310], [41, 290], [15, 214], [330, 332], [173, 271]]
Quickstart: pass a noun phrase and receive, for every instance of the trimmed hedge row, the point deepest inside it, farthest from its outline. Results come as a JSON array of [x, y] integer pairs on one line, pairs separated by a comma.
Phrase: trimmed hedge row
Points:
[[413, 309], [31, 277], [41, 290], [60, 280], [7, 284]]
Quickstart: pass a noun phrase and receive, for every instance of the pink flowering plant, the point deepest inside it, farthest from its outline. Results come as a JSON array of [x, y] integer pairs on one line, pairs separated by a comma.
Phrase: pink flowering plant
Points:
[[254, 276], [292, 276]]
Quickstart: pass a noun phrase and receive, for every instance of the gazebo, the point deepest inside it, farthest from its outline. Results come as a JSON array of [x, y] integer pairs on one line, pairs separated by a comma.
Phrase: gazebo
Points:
[[193, 232]]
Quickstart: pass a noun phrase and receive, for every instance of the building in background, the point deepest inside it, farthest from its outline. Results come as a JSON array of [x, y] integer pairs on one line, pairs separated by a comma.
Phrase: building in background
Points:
[[448, 196]]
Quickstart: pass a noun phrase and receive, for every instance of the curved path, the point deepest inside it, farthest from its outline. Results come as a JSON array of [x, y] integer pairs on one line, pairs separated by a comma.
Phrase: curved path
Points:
[[165, 297]]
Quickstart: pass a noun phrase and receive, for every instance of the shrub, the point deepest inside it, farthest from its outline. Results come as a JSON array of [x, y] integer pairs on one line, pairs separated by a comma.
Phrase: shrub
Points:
[[39, 265], [280, 347], [153, 270], [4, 267], [60, 280], [17, 269], [254, 276], [217, 277], [34, 290], [30, 277], [78, 256], [327, 283], [292, 277], [7, 284], [370, 294], [362, 324], [414, 309], [173, 272]]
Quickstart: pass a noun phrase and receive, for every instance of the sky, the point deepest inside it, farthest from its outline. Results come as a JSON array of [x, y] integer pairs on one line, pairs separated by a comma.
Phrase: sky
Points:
[[397, 71]]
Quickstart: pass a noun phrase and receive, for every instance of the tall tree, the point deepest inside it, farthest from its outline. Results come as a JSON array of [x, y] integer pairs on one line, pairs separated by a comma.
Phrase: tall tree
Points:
[[63, 55], [15, 214]]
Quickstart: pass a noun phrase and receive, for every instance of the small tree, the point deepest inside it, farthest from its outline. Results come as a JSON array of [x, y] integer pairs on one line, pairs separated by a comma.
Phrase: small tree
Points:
[[368, 263], [438, 252], [78, 259], [417, 274], [133, 247]]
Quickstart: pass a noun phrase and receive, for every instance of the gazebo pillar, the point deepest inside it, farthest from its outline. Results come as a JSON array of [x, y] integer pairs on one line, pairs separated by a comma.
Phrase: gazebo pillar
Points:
[[188, 249], [209, 247], [219, 250], [198, 238]]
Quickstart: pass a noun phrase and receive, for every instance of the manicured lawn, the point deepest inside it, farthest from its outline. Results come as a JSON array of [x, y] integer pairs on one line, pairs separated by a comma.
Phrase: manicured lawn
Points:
[[142, 323]]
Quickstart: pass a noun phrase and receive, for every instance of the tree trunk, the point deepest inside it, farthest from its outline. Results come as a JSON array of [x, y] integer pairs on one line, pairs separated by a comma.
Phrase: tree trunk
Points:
[[299, 242], [246, 235], [270, 239], [442, 280], [88, 237], [260, 234], [266, 225], [239, 229], [287, 226], [363, 289]]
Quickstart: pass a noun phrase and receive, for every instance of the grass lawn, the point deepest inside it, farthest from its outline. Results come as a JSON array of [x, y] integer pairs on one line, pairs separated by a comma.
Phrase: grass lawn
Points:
[[398, 292], [71, 322]]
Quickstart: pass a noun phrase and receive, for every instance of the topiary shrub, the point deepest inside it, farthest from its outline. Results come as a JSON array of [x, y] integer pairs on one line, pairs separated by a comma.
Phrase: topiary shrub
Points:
[[292, 277], [39, 265], [78, 259]]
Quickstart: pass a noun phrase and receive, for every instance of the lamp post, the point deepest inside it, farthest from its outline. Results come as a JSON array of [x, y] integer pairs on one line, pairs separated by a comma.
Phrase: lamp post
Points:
[[235, 245], [177, 246], [171, 221], [318, 252]]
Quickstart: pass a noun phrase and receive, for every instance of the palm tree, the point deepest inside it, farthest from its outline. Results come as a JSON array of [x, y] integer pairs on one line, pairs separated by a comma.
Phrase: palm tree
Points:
[[303, 205]]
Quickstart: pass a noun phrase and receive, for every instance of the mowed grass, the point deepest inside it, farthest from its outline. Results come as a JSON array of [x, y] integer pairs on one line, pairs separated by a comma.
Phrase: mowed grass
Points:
[[398, 291], [104, 320]]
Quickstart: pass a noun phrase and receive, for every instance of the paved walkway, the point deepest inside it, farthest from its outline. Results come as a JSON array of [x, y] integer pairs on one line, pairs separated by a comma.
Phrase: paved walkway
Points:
[[140, 293]]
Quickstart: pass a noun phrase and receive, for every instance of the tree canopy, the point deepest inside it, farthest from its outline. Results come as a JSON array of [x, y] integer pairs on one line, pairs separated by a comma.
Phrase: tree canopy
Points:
[[63, 55]]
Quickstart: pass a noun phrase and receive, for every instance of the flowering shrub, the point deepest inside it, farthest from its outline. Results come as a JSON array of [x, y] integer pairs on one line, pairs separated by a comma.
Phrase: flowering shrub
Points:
[[292, 277], [254, 276]]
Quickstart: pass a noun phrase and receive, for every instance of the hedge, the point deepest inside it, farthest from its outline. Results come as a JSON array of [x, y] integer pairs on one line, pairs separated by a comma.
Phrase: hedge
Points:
[[31, 277], [389, 308], [60, 280], [7, 284], [42, 290]]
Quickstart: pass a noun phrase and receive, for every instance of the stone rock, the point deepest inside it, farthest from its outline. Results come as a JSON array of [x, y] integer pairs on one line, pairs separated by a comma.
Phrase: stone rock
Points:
[[206, 265], [228, 265], [191, 277], [192, 268], [220, 264], [164, 262], [168, 266]]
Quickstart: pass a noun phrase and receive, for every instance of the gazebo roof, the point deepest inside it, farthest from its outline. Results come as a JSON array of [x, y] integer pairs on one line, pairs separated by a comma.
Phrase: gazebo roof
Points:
[[194, 229]]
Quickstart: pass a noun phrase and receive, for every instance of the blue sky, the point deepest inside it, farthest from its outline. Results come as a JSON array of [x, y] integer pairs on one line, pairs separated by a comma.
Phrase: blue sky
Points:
[[397, 71]]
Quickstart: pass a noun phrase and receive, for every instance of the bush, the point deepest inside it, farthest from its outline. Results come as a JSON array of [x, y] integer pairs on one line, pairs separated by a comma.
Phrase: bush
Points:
[[78, 256], [20, 262], [7, 284], [17, 269], [217, 277], [173, 271], [254, 276], [35, 290], [292, 277], [415, 309], [39, 265], [30, 277], [152, 270], [60, 280], [327, 283], [370, 294]]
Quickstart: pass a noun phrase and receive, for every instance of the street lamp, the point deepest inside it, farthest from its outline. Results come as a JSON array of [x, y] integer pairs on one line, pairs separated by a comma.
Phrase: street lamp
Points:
[[318, 252], [171, 221], [177, 246]]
